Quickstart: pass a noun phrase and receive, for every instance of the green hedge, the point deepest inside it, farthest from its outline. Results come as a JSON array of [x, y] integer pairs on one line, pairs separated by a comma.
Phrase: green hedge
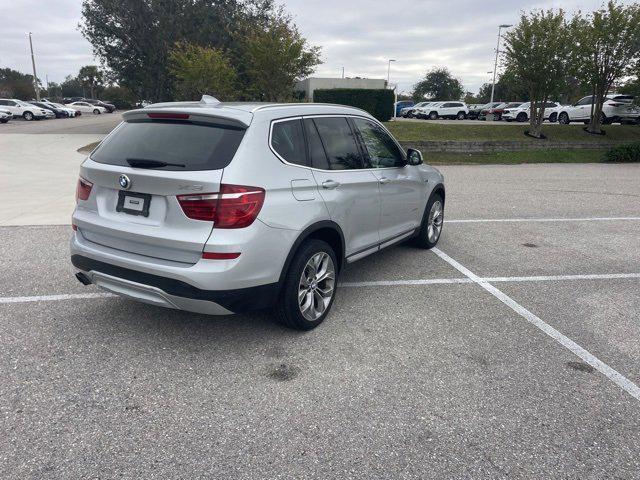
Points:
[[378, 103], [624, 153]]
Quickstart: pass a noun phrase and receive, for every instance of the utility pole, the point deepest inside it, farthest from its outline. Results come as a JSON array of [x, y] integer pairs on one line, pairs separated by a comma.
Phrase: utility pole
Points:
[[389, 70], [35, 76], [342, 72], [495, 66]]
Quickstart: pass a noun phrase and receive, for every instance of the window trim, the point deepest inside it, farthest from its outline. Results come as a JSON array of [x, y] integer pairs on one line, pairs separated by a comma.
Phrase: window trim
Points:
[[356, 135]]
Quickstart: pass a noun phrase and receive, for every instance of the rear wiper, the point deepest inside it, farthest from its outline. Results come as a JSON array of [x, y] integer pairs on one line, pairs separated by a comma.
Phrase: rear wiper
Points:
[[146, 163]]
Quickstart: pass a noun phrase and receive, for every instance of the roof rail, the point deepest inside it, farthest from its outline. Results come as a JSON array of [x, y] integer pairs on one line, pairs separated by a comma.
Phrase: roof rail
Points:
[[209, 100]]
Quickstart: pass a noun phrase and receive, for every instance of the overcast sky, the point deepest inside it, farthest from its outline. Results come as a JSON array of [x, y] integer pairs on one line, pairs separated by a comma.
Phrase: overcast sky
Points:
[[359, 35]]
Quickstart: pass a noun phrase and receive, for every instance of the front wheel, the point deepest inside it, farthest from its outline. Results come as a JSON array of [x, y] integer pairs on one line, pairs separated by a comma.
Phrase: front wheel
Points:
[[433, 116], [522, 117], [309, 287], [27, 116], [563, 119], [96, 111], [461, 116], [432, 222]]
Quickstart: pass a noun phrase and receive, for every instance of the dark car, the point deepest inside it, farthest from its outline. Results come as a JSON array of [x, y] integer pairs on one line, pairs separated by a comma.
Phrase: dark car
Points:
[[496, 108], [59, 113], [109, 106]]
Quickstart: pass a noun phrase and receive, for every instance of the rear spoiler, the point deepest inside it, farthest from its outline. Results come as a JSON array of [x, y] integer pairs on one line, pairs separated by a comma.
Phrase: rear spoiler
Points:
[[196, 113]]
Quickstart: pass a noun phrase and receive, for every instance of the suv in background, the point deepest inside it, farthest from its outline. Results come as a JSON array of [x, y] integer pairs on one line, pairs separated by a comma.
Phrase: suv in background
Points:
[[520, 113], [616, 108], [18, 108], [454, 110], [108, 106], [222, 208], [410, 112]]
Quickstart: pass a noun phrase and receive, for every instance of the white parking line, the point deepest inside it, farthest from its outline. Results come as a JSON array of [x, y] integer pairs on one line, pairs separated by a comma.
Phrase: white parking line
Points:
[[498, 220], [54, 298], [613, 375], [540, 278]]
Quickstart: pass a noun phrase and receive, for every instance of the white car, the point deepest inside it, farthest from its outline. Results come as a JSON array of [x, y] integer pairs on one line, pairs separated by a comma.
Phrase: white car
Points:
[[409, 112], [433, 111], [70, 111], [18, 108], [86, 107], [616, 108], [5, 116], [521, 113]]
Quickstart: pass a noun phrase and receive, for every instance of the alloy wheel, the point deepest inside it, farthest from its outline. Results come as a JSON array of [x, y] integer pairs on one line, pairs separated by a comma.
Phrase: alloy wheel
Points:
[[434, 223], [316, 286]]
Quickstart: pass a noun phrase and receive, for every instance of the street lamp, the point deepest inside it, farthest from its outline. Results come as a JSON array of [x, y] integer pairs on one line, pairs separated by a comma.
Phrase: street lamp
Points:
[[33, 64], [389, 70], [495, 66]]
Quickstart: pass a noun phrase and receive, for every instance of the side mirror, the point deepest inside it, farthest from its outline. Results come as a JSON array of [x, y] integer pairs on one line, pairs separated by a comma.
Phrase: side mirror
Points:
[[414, 157]]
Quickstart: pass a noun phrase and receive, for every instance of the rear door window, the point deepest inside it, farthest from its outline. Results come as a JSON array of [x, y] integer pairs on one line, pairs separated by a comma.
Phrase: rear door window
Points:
[[287, 139], [317, 155], [189, 146], [339, 142]]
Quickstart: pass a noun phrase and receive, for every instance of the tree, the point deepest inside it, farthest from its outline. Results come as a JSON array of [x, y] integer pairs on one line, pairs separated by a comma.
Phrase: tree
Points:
[[201, 70], [273, 57], [71, 87], [508, 89], [609, 48], [16, 84], [92, 78], [438, 84], [538, 51]]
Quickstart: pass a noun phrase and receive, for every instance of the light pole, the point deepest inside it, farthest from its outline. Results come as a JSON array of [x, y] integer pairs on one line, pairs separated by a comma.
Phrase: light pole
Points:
[[389, 70], [33, 64], [495, 66], [388, 78]]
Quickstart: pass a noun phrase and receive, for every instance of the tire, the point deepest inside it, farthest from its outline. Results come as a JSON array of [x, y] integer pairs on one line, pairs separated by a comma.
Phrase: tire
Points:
[[461, 116], [522, 117], [431, 219], [563, 119], [4, 121], [28, 116], [96, 111], [433, 116], [553, 118], [289, 310]]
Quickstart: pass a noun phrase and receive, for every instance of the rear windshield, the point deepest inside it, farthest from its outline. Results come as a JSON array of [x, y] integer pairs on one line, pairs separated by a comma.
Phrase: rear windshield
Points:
[[194, 145]]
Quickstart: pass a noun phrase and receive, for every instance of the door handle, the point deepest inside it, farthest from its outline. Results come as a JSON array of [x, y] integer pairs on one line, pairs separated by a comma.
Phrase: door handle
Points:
[[384, 180], [330, 184]]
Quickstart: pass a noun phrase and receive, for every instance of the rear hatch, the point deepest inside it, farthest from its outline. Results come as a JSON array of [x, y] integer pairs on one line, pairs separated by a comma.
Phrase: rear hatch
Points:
[[140, 171]]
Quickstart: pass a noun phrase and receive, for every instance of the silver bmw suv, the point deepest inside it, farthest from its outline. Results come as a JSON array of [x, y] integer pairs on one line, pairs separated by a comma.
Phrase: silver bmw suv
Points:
[[222, 208]]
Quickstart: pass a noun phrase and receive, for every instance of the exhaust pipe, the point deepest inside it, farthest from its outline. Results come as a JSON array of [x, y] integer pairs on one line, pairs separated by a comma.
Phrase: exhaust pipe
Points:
[[83, 279]]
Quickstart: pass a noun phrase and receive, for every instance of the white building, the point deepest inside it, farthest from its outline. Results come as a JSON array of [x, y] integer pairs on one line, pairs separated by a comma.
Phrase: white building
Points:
[[309, 85]]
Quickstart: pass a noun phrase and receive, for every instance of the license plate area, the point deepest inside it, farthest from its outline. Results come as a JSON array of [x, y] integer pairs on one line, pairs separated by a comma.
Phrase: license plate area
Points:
[[133, 203]]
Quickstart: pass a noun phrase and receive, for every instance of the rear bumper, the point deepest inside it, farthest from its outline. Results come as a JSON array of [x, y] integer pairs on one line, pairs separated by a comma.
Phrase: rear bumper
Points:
[[173, 293]]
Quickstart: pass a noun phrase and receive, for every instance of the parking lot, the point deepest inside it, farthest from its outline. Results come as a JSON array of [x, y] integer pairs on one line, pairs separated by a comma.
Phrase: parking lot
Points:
[[512, 350]]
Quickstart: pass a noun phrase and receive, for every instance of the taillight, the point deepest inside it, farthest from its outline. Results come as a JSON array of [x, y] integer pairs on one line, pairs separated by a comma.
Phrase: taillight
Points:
[[83, 189], [235, 206]]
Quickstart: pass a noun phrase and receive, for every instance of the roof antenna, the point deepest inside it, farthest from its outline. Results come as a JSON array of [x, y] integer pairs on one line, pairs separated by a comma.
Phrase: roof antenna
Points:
[[209, 100]]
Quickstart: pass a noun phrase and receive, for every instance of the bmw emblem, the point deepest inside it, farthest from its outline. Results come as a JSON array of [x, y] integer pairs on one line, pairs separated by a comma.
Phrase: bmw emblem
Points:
[[124, 182]]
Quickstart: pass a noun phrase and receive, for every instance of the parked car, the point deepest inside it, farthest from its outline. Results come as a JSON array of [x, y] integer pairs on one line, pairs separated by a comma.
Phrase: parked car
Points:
[[87, 108], [18, 108], [495, 109], [402, 105], [474, 110], [5, 116], [108, 106], [409, 112], [616, 108], [521, 113], [70, 111], [189, 205], [55, 111], [453, 110]]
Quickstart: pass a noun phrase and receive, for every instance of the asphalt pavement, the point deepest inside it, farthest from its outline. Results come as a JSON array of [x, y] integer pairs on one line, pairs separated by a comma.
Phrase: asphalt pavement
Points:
[[511, 351]]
